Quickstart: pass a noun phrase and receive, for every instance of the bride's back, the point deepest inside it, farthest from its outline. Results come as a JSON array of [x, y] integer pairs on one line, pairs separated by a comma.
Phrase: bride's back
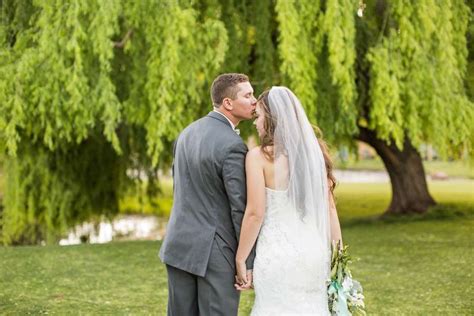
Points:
[[275, 180]]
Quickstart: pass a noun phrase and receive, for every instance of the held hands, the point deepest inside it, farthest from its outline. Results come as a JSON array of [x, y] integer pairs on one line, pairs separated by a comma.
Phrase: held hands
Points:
[[243, 279]]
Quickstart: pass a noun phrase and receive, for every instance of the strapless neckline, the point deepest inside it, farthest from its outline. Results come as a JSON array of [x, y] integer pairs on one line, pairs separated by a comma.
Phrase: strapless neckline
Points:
[[278, 191]]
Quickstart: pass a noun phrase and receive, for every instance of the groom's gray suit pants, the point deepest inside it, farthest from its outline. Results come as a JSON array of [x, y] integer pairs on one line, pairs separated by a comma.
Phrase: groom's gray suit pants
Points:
[[213, 294]]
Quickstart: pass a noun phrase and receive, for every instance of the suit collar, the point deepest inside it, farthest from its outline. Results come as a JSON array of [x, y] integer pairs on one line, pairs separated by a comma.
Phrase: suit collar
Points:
[[219, 117]]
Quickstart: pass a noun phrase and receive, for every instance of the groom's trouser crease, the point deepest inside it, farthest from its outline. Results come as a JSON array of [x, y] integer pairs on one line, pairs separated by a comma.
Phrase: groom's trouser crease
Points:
[[213, 294]]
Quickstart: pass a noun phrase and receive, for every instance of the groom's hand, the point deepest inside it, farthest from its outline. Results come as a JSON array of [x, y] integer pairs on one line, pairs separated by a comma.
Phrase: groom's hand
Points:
[[240, 285]]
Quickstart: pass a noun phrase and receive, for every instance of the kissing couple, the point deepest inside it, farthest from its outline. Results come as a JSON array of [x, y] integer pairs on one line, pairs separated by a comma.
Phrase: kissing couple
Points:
[[262, 219]]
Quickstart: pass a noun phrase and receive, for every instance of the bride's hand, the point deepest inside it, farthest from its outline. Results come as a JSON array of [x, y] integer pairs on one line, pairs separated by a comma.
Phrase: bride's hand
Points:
[[241, 268], [247, 286], [242, 286], [243, 278]]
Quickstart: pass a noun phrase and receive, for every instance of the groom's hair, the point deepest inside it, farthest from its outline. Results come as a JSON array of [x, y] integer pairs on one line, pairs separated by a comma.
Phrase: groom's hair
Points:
[[225, 86]]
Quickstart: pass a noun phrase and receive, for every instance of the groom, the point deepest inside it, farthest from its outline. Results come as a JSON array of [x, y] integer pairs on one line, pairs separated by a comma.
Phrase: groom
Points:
[[209, 203]]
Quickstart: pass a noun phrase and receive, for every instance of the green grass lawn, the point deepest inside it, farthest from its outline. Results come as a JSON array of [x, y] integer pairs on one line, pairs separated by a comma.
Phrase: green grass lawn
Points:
[[421, 266]]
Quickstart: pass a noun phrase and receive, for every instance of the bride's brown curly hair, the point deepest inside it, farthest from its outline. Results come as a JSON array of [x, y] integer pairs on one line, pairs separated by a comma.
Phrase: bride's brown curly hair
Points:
[[267, 141]]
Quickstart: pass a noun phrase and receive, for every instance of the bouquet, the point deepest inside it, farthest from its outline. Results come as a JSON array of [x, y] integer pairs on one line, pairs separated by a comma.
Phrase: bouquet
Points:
[[344, 293]]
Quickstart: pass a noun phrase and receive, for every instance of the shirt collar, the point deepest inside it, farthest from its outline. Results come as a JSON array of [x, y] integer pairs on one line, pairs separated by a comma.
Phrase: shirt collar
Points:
[[231, 124]]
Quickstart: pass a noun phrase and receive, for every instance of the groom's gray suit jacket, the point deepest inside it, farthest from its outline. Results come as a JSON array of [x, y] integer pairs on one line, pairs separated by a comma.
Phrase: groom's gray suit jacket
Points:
[[209, 195]]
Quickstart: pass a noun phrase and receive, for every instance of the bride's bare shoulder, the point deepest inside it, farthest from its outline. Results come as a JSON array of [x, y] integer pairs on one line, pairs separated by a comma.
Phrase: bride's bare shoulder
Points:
[[254, 152], [255, 155]]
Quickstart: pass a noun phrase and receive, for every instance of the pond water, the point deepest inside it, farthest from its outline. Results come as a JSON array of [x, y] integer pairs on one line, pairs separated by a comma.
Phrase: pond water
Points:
[[123, 227]]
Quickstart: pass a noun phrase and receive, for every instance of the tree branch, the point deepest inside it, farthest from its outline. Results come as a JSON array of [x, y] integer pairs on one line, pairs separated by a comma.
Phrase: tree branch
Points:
[[124, 40]]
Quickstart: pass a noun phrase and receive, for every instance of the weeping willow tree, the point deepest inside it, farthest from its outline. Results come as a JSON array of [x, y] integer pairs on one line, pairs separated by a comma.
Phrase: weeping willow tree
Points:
[[92, 93], [393, 78], [88, 91]]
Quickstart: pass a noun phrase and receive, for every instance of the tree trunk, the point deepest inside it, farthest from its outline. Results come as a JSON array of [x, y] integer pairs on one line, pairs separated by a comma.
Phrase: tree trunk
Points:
[[407, 175]]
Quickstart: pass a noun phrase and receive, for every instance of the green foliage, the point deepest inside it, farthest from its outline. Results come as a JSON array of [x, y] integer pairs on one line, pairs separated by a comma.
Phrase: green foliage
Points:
[[57, 84], [241, 35], [265, 59], [91, 90], [182, 55], [127, 76], [299, 23], [470, 59], [135, 203], [339, 27], [317, 53], [418, 70], [399, 70], [48, 193]]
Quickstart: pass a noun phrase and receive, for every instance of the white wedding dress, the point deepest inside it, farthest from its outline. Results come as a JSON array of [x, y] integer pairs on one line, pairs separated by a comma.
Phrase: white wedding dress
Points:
[[291, 264]]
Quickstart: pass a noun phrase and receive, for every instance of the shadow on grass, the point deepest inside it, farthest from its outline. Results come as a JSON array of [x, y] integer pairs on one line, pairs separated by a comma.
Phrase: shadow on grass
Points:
[[440, 212]]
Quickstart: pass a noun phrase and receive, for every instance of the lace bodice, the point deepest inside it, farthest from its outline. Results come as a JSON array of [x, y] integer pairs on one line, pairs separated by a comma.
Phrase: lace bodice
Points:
[[275, 200]]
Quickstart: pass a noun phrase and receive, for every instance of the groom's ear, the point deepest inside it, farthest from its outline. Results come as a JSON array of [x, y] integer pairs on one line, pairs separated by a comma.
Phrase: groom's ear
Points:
[[227, 104]]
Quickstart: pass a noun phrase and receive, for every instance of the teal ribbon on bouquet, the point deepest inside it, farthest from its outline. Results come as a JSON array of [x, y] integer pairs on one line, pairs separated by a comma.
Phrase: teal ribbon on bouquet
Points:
[[341, 303]]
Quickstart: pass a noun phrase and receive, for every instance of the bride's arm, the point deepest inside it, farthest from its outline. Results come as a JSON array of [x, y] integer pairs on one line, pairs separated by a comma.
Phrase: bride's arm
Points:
[[334, 220], [254, 211]]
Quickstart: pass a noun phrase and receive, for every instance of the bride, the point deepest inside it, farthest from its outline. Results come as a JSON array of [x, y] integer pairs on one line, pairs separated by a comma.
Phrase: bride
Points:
[[290, 208]]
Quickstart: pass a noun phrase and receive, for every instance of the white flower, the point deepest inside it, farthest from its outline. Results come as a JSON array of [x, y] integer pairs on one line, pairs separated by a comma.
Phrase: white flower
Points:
[[347, 284]]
